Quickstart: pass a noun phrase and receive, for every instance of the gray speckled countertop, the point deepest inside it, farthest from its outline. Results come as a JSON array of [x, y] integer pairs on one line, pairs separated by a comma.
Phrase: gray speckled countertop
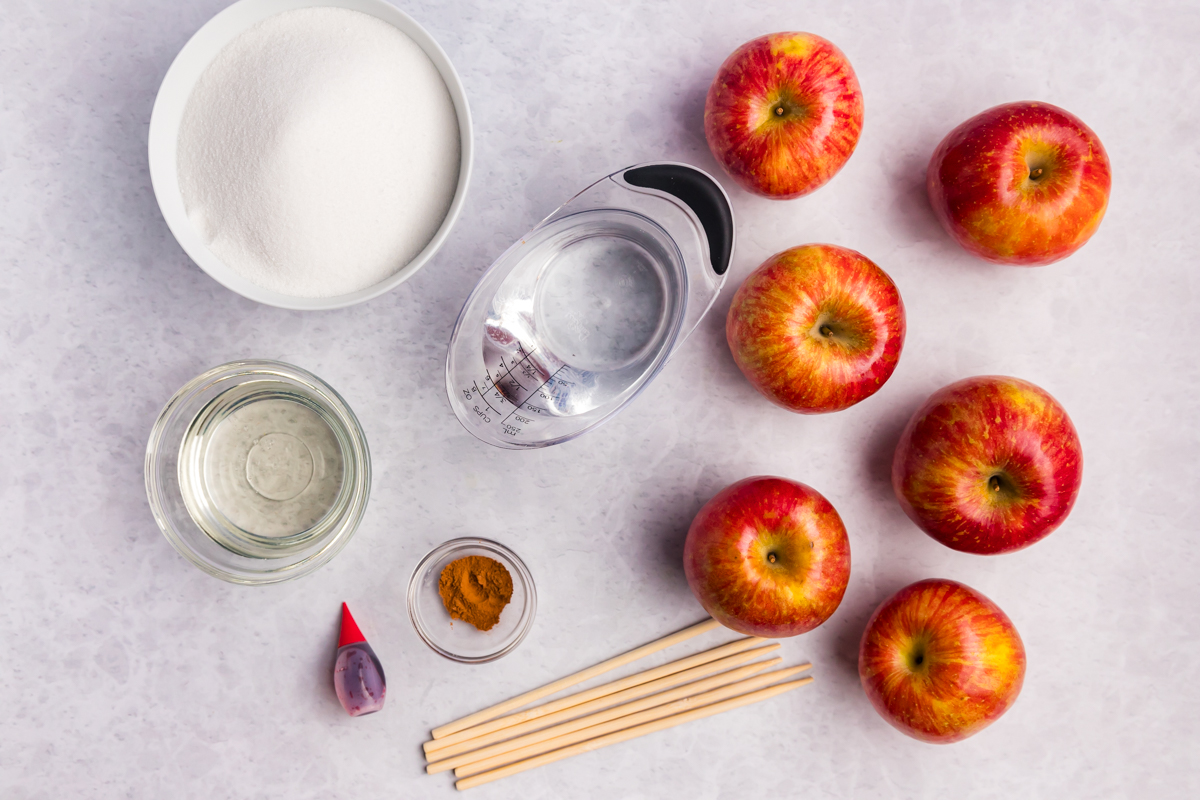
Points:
[[128, 673]]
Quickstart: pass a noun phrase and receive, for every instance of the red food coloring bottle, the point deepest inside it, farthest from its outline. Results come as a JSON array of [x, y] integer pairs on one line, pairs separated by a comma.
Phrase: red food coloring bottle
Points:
[[357, 674]]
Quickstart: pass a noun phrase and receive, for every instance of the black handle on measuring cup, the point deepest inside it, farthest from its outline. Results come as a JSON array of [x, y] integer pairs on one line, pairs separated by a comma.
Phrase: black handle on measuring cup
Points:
[[702, 195]]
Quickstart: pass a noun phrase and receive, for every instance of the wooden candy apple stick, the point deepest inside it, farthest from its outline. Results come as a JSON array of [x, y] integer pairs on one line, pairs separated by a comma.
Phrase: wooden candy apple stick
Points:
[[571, 680], [583, 716], [583, 709], [719, 687], [628, 721], [629, 733], [439, 748]]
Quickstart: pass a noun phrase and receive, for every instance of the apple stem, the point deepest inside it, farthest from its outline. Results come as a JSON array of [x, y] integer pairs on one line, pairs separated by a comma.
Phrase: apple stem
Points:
[[779, 111], [994, 483], [826, 330], [1035, 174], [771, 557]]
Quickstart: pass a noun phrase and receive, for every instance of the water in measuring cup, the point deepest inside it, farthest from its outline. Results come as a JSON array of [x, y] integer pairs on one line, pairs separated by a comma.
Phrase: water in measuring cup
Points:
[[601, 303], [585, 314]]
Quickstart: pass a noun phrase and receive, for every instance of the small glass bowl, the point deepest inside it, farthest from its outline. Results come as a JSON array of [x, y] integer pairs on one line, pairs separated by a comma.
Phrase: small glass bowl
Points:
[[461, 641], [226, 551]]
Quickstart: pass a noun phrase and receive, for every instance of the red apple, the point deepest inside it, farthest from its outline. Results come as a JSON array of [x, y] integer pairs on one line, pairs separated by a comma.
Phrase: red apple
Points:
[[768, 557], [1022, 183], [940, 661], [988, 465], [816, 328], [783, 114]]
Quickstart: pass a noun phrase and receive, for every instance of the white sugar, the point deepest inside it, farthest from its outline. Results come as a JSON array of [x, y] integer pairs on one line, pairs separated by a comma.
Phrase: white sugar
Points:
[[319, 152]]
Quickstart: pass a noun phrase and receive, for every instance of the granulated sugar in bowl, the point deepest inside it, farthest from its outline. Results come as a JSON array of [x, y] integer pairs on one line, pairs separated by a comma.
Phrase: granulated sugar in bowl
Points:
[[319, 151]]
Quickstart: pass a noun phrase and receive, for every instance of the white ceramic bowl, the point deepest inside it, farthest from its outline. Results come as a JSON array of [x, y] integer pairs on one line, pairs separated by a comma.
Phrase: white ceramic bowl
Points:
[[172, 98]]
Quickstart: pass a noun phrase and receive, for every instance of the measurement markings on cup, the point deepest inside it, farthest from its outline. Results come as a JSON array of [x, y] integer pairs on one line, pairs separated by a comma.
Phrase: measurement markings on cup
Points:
[[506, 378]]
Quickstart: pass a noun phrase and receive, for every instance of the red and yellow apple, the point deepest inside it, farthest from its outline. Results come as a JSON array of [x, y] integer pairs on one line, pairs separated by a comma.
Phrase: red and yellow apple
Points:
[[768, 557], [988, 465], [940, 661], [1021, 183], [816, 328], [783, 114]]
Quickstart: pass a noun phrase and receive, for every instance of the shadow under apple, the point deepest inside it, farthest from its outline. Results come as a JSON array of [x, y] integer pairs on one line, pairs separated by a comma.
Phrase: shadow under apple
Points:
[[881, 444], [669, 533], [911, 216], [853, 614]]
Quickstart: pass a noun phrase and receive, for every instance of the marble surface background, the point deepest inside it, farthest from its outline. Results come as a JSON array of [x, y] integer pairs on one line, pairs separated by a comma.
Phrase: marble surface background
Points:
[[128, 673]]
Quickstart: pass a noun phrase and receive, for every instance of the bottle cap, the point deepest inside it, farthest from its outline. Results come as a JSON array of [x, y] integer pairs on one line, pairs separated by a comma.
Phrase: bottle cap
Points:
[[350, 632]]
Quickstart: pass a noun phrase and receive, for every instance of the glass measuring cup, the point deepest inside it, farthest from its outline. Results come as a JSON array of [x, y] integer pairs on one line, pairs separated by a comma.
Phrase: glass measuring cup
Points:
[[573, 320]]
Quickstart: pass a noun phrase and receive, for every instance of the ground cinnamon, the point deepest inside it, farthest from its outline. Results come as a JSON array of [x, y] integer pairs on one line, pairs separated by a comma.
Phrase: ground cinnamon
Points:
[[476, 589]]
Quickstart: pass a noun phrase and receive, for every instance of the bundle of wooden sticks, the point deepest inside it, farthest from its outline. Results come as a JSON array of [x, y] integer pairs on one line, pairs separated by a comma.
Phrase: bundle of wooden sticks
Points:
[[495, 743]]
